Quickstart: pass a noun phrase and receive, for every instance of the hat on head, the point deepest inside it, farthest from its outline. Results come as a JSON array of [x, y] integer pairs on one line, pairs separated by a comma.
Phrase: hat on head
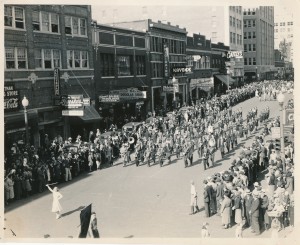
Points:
[[247, 191], [256, 184]]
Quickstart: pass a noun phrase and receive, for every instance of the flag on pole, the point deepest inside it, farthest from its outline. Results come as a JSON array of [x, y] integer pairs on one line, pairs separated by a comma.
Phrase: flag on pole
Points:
[[85, 217]]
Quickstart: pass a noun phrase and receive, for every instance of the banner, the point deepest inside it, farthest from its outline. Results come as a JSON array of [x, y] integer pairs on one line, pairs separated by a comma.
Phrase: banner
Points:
[[288, 117], [56, 82], [11, 98], [72, 101], [85, 218]]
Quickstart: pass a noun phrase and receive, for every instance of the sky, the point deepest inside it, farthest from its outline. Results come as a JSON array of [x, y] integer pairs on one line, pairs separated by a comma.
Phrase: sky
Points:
[[184, 15]]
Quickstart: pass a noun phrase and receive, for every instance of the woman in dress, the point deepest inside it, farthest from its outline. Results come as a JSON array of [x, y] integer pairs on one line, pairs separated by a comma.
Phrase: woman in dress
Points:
[[56, 207], [226, 210]]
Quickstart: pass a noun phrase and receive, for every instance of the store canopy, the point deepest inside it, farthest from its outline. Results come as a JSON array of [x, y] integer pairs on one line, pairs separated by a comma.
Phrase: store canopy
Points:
[[90, 115], [225, 79]]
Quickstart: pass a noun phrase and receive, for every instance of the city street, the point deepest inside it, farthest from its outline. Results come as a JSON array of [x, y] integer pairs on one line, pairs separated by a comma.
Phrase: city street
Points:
[[132, 202]]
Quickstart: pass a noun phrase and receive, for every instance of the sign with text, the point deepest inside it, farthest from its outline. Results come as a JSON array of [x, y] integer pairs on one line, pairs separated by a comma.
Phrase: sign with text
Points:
[[127, 95], [11, 98], [78, 113], [56, 82], [72, 101], [166, 61], [109, 98], [234, 54], [275, 132], [168, 89], [86, 101], [176, 70], [289, 117]]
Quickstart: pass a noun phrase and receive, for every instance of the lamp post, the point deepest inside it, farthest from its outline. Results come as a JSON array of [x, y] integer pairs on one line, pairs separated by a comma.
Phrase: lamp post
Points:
[[174, 80], [25, 103], [280, 99]]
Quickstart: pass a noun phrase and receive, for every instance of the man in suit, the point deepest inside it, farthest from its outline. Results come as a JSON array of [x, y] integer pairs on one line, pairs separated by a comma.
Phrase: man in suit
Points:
[[254, 212], [206, 198], [219, 193], [248, 203]]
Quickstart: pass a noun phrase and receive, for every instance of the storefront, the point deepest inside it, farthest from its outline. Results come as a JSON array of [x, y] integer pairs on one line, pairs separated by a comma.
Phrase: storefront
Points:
[[201, 88]]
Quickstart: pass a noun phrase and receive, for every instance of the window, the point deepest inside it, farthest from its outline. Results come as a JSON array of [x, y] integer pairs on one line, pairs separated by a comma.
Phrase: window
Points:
[[249, 35], [233, 22], [253, 47], [140, 65], [253, 23], [245, 35], [124, 65], [107, 65], [75, 26], [230, 20], [157, 69], [77, 59], [276, 24], [254, 34], [245, 47], [249, 23], [249, 47], [15, 58], [230, 37], [47, 58], [254, 61], [214, 34], [233, 38], [36, 21], [46, 22], [250, 61], [245, 61], [14, 17], [245, 23]]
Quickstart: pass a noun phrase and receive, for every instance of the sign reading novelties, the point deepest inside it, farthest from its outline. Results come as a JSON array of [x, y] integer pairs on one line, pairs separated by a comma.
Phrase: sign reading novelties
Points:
[[56, 82], [11, 98], [166, 61]]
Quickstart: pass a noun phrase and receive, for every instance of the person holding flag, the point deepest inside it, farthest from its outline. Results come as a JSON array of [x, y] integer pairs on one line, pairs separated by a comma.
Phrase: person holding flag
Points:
[[56, 207]]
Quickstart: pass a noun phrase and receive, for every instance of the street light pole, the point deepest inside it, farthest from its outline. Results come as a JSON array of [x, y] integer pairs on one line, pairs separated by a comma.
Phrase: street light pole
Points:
[[25, 103], [280, 99], [174, 92]]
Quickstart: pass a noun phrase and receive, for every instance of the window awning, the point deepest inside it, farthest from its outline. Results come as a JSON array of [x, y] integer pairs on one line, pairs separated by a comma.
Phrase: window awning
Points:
[[90, 115], [225, 79]]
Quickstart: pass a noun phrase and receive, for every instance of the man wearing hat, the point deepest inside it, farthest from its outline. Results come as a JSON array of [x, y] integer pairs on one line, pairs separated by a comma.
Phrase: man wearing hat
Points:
[[248, 199], [254, 212], [206, 198]]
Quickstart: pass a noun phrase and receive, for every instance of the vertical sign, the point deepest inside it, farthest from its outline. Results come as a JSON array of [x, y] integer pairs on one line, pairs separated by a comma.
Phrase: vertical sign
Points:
[[166, 61], [11, 98], [56, 82]]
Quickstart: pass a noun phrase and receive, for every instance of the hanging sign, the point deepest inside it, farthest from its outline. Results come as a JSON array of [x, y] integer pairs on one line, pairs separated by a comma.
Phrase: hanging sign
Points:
[[11, 98]]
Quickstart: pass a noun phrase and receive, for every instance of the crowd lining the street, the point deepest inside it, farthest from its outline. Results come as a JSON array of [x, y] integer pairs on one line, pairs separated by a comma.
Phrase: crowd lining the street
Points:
[[207, 127]]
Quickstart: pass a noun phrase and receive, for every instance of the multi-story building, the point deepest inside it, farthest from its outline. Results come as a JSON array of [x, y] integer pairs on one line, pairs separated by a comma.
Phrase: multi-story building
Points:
[[201, 81], [167, 50], [48, 52], [284, 35], [121, 67], [224, 25], [259, 43]]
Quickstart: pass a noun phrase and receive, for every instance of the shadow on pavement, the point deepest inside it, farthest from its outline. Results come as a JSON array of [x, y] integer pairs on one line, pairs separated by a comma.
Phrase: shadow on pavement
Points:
[[72, 211]]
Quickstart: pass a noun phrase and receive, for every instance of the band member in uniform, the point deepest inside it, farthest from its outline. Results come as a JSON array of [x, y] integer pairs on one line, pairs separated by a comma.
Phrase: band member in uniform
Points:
[[56, 207], [160, 155], [205, 157]]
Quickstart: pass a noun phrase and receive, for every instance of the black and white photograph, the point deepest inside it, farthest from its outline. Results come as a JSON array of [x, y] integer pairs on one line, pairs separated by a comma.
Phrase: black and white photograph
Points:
[[149, 120]]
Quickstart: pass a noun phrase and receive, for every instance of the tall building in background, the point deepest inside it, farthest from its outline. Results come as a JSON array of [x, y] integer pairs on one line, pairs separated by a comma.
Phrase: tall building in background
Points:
[[284, 35], [224, 24], [259, 43]]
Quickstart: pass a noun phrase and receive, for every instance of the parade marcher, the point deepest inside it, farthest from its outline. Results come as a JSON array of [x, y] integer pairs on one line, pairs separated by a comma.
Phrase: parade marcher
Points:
[[248, 199], [254, 211], [56, 207], [206, 198], [93, 229]]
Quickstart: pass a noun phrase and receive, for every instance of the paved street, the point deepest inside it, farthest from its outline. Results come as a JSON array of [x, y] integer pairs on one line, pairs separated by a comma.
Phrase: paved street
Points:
[[131, 202]]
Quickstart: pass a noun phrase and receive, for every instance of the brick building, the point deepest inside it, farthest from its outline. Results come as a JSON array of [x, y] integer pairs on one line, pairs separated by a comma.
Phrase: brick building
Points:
[[39, 39]]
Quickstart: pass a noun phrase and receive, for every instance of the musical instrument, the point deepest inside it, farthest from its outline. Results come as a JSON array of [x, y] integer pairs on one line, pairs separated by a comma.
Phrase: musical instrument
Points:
[[131, 140]]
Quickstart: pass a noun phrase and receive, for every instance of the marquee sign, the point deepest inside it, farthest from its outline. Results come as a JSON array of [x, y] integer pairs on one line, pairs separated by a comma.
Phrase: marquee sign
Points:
[[176, 70], [72, 101], [109, 98], [11, 98], [234, 54]]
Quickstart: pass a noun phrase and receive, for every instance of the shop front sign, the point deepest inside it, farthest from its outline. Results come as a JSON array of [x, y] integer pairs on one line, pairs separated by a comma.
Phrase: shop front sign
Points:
[[56, 82], [166, 61], [72, 101], [11, 98], [109, 98]]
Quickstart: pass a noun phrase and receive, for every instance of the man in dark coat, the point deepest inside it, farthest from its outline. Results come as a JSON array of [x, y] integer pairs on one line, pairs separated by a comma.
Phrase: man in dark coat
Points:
[[248, 199], [255, 212], [206, 198]]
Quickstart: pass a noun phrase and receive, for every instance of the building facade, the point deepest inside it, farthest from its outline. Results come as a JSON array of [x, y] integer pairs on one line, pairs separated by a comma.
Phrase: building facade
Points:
[[167, 50], [199, 58], [48, 53], [121, 73], [259, 43]]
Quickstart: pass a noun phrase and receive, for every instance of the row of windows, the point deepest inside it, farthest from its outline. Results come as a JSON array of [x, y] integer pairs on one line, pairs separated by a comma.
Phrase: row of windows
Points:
[[203, 63], [249, 35], [175, 46], [16, 58], [249, 23], [249, 11], [290, 23], [237, 9], [249, 47], [249, 61], [235, 22], [235, 38], [283, 30], [124, 65], [44, 21]]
